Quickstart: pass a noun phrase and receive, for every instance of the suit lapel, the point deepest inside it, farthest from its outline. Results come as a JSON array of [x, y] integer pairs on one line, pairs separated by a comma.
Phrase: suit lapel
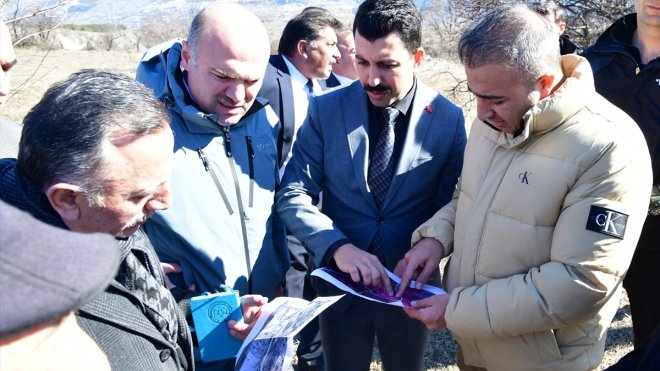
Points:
[[104, 308], [284, 82], [421, 119], [357, 133]]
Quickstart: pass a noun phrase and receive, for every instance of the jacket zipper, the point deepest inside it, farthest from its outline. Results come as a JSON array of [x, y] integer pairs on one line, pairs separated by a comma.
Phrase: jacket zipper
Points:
[[250, 150], [210, 170], [241, 212]]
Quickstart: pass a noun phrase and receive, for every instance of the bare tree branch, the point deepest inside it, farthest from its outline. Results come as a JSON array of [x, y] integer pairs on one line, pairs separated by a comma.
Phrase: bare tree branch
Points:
[[39, 11], [38, 32]]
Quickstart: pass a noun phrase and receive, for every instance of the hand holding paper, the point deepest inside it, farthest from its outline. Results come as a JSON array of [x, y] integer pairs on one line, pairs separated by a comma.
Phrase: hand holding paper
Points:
[[420, 263], [362, 267], [430, 311], [251, 306], [409, 294]]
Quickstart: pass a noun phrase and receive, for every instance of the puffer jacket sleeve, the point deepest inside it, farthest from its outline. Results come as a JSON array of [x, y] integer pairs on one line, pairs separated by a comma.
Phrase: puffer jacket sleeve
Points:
[[585, 267], [440, 227]]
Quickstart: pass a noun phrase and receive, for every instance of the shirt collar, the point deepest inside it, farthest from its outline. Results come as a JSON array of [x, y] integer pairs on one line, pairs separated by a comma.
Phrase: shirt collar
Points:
[[298, 80], [404, 104]]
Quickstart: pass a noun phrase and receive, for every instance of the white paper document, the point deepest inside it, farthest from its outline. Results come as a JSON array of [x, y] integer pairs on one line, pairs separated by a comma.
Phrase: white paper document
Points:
[[269, 345]]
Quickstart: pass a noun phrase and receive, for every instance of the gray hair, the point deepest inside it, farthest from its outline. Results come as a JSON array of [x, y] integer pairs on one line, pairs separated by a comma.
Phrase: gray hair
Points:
[[513, 36], [65, 134], [195, 33], [549, 9]]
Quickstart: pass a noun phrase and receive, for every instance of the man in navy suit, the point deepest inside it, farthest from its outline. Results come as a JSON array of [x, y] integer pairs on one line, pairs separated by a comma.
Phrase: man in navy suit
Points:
[[307, 50], [367, 218]]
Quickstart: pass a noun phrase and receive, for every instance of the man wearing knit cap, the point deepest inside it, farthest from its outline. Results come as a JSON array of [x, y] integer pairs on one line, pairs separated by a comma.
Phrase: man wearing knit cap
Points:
[[47, 274]]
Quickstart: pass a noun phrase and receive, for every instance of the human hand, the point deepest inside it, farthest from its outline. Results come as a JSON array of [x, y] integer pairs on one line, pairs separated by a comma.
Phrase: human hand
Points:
[[362, 266], [419, 264], [251, 307], [430, 311], [168, 268]]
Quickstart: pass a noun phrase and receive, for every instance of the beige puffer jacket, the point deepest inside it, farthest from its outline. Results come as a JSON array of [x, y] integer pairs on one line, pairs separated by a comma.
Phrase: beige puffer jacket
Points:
[[532, 288]]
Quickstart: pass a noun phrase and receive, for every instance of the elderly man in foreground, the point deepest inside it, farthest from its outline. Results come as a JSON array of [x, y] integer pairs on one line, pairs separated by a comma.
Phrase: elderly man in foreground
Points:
[[96, 156]]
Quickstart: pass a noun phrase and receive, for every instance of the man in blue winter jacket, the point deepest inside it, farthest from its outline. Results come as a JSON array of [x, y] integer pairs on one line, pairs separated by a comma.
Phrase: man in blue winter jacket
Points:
[[221, 229]]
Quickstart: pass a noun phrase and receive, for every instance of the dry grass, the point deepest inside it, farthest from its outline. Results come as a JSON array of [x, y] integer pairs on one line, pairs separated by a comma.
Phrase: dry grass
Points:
[[441, 350], [38, 69]]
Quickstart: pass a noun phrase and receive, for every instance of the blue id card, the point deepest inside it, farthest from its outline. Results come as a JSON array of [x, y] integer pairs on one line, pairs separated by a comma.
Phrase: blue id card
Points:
[[210, 313]]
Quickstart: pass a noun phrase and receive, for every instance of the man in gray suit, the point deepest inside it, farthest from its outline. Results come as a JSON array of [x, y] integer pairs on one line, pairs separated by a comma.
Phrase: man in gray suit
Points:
[[103, 164], [380, 177]]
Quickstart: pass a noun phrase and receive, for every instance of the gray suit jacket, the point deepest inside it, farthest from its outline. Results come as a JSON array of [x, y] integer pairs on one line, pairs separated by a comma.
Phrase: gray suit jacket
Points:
[[331, 154], [116, 320]]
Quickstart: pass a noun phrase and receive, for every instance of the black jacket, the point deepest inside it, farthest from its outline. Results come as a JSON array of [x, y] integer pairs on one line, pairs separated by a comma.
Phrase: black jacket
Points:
[[624, 81], [566, 46]]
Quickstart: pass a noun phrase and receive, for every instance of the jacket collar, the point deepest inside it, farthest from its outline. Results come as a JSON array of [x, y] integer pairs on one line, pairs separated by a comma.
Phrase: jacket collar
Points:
[[619, 35], [17, 190], [554, 110]]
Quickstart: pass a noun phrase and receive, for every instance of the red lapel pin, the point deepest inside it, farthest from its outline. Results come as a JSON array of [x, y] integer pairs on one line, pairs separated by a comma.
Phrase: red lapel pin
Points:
[[428, 109]]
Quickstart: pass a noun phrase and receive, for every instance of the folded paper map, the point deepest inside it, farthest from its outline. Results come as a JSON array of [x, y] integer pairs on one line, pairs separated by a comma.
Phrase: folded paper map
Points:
[[344, 282]]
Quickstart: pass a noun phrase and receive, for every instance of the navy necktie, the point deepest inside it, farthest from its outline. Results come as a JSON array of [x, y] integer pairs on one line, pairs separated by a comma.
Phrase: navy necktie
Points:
[[381, 168], [310, 88], [381, 165]]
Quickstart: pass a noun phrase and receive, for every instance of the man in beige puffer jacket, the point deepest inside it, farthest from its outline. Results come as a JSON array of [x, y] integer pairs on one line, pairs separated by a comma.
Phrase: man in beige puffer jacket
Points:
[[554, 191]]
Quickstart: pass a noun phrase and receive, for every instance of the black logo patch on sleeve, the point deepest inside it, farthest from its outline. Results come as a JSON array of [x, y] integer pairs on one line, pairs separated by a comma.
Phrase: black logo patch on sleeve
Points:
[[607, 221]]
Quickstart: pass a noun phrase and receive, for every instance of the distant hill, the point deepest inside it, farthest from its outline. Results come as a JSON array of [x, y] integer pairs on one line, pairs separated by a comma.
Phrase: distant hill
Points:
[[135, 13]]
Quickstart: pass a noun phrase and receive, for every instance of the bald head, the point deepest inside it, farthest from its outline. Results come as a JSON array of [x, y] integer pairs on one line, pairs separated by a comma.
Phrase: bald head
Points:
[[233, 27], [224, 60]]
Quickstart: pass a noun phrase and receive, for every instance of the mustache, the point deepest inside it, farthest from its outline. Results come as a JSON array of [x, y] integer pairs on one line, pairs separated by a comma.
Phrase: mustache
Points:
[[141, 219], [380, 88]]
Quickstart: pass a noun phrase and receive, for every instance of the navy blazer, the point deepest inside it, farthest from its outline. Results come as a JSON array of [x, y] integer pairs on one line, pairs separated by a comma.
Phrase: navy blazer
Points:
[[276, 88], [331, 154]]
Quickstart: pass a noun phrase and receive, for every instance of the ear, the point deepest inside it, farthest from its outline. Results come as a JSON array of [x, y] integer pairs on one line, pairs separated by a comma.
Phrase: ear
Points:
[[301, 48], [186, 56], [562, 27], [65, 199], [418, 56], [545, 85]]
